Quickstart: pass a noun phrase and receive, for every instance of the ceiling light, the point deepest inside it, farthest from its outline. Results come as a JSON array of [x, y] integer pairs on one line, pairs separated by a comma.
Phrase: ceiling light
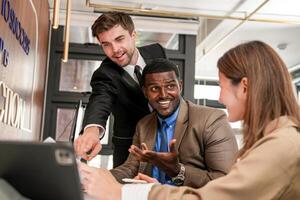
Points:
[[282, 46]]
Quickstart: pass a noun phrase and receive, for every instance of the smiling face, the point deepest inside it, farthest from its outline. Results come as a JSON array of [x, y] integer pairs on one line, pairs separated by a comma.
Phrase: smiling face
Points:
[[163, 91], [119, 45], [233, 97]]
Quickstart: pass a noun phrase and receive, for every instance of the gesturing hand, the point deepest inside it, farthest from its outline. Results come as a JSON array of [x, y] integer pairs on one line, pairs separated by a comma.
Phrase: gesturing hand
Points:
[[166, 161], [146, 178], [88, 144]]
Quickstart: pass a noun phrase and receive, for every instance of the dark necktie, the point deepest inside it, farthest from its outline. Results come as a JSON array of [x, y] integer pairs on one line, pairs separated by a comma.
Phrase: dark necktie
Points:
[[138, 74], [163, 148], [164, 138]]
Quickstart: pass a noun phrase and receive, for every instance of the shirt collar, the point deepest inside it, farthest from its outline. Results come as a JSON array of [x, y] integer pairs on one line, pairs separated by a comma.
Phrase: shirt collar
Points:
[[171, 119], [140, 62]]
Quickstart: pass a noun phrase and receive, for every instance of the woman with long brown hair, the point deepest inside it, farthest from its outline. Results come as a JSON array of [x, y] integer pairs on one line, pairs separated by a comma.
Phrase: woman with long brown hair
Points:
[[269, 91], [257, 89]]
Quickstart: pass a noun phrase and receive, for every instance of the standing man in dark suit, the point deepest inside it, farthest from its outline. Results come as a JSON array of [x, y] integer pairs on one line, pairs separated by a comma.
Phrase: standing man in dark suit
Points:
[[115, 87]]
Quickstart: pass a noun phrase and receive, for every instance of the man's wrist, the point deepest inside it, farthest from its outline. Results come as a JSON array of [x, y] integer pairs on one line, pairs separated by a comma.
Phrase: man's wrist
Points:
[[180, 177], [175, 170], [178, 166], [95, 128]]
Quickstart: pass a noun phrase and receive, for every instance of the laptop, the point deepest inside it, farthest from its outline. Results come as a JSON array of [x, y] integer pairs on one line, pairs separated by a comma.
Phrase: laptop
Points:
[[45, 171]]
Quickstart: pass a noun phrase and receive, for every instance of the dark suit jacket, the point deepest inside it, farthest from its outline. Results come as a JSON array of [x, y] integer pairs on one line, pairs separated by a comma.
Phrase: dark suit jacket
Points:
[[114, 91], [204, 140]]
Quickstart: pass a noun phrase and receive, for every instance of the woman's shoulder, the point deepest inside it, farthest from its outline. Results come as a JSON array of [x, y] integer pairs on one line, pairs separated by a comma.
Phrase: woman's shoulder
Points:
[[280, 148]]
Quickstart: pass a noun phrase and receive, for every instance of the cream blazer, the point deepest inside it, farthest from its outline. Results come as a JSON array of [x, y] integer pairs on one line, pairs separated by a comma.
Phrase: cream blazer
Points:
[[269, 170]]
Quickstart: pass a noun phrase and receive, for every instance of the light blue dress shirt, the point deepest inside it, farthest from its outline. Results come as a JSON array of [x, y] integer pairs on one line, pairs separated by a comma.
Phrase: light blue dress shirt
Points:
[[171, 122]]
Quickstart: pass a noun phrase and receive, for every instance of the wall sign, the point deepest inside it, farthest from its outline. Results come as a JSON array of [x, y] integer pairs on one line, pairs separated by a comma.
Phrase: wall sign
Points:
[[18, 60], [11, 18], [13, 110], [4, 52]]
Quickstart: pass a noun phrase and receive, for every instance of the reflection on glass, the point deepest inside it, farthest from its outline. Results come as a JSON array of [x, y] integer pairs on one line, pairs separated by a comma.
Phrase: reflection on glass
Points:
[[102, 161], [64, 123], [83, 35], [206, 92], [167, 40], [75, 75]]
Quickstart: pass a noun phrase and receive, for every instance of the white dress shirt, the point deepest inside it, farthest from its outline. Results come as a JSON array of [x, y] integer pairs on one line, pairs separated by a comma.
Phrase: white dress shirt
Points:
[[130, 68]]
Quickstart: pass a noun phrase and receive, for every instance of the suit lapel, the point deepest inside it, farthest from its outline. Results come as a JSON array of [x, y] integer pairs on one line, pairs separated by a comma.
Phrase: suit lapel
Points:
[[150, 139], [146, 55], [181, 123], [151, 131], [129, 81]]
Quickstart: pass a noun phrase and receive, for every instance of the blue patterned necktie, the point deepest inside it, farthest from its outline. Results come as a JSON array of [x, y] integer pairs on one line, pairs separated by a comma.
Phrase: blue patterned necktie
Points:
[[163, 148]]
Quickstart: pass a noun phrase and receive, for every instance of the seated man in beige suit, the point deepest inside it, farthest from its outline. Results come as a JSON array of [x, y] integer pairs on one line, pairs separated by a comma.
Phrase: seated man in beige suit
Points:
[[201, 136]]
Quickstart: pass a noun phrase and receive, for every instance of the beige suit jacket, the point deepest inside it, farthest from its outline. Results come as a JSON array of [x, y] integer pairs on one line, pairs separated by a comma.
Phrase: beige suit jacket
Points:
[[269, 170], [204, 141]]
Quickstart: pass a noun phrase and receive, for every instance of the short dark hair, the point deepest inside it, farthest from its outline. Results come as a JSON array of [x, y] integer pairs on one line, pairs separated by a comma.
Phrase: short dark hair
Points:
[[160, 65], [108, 20]]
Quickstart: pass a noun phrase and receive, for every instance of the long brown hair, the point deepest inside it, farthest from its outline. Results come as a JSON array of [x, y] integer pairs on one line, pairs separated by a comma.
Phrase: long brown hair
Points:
[[269, 92]]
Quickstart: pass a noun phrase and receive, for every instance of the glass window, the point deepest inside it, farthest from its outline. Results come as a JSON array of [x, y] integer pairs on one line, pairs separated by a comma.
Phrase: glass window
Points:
[[75, 75], [102, 161], [212, 92], [64, 123], [167, 40], [206, 92], [83, 35]]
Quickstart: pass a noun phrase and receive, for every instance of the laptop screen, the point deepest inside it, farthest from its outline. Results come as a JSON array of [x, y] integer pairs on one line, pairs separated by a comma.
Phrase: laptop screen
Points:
[[41, 170]]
